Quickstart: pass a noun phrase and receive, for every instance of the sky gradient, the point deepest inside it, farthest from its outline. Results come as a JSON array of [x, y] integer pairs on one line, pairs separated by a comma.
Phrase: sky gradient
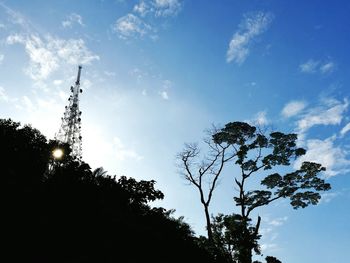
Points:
[[158, 73]]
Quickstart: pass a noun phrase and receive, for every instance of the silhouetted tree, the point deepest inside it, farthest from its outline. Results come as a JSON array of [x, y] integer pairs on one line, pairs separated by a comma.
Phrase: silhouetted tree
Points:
[[254, 154], [204, 174], [24, 153]]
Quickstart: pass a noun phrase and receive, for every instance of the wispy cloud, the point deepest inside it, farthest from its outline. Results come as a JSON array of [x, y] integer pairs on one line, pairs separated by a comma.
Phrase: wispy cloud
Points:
[[330, 113], [139, 74], [158, 8], [252, 26], [72, 19], [309, 66], [167, 7], [327, 67], [293, 108], [42, 60], [2, 57], [142, 8], [328, 152], [328, 197], [48, 53], [269, 247], [16, 17], [144, 18], [317, 66], [269, 232], [278, 221], [260, 118], [325, 152], [164, 95], [131, 26], [345, 129], [166, 85]]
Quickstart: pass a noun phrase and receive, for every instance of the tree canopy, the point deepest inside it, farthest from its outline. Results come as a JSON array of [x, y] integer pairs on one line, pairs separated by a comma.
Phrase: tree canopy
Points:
[[258, 157]]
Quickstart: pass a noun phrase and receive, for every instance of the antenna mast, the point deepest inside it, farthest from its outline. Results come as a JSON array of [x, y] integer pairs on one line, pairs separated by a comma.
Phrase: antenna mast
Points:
[[70, 130]]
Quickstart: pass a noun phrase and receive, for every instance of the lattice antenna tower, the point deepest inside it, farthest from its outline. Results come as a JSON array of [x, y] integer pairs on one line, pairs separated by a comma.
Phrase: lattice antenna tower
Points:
[[70, 130]]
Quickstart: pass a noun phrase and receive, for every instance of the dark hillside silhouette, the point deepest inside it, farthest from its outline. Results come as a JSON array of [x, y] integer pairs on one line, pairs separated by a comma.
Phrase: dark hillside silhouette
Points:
[[74, 214]]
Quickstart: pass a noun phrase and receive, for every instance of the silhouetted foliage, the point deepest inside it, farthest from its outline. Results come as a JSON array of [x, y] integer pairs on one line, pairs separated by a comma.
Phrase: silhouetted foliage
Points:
[[24, 152], [255, 154], [270, 259], [236, 237], [68, 213]]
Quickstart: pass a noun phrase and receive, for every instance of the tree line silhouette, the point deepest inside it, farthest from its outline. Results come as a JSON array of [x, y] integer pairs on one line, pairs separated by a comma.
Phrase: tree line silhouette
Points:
[[63, 211]]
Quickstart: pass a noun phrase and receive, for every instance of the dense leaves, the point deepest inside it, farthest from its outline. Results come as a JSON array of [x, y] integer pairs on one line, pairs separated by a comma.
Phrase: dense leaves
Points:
[[255, 155], [257, 152], [236, 237]]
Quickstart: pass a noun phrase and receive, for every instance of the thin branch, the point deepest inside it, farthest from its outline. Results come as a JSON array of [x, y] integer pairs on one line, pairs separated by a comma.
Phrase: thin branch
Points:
[[216, 177], [250, 209]]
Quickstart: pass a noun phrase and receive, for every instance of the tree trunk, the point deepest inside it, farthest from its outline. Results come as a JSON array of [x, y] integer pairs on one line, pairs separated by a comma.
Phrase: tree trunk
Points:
[[209, 230]]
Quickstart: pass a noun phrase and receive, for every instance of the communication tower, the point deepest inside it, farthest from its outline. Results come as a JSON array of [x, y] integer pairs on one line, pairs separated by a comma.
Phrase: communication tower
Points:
[[70, 130]]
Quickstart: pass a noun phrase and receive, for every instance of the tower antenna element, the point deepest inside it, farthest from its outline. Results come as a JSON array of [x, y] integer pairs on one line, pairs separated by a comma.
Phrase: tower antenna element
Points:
[[70, 130]]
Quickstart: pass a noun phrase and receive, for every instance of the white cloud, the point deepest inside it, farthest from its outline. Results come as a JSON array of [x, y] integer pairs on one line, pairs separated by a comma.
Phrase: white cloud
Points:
[[293, 108], [166, 7], [252, 26], [316, 66], [15, 38], [47, 54], [309, 66], [269, 247], [345, 129], [72, 51], [269, 234], [164, 95], [73, 18], [278, 221], [260, 118], [42, 60], [15, 17], [328, 197], [326, 153], [142, 8], [329, 114], [327, 67], [2, 57], [130, 26], [166, 85]]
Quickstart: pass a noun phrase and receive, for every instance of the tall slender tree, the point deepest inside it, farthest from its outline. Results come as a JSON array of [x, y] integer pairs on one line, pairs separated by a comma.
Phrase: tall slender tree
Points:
[[204, 173], [260, 158]]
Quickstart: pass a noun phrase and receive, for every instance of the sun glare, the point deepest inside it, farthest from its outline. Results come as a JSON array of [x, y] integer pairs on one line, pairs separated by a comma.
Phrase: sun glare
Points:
[[57, 153]]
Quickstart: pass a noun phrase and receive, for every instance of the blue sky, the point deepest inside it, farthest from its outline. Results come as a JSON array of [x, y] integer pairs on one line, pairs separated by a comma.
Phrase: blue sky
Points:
[[157, 73]]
